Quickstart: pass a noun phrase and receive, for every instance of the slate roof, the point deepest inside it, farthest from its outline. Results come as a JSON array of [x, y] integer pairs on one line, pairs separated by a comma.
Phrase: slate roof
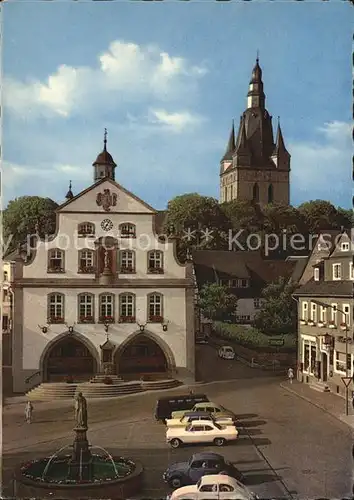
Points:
[[212, 264], [325, 289]]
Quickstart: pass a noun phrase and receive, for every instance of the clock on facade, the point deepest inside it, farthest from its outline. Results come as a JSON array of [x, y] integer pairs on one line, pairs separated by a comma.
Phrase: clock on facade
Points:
[[106, 224]]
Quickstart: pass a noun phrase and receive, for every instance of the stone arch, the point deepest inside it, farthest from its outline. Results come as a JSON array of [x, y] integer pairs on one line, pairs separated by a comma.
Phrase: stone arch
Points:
[[141, 336], [255, 192], [61, 338]]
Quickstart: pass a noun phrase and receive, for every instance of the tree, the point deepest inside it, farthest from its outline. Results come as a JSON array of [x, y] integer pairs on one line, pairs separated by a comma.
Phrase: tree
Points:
[[278, 311], [25, 216], [216, 302], [277, 217], [197, 222], [345, 218], [319, 215]]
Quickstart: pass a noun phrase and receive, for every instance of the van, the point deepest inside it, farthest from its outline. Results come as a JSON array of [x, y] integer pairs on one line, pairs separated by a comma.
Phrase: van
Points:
[[165, 406]]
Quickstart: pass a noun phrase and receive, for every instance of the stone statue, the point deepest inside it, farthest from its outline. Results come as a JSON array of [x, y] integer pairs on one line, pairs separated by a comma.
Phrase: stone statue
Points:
[[81, 411], [106, 259]]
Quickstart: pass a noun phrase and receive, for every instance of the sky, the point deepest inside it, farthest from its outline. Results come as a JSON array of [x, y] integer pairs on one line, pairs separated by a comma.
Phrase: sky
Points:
[[166, 79]]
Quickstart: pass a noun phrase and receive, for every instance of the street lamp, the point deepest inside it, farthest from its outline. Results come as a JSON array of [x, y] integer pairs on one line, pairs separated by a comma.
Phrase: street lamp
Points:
[[335, 308]]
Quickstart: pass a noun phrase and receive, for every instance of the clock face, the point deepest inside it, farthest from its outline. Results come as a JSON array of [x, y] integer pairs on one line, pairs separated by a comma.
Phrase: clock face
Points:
[[106, 224]]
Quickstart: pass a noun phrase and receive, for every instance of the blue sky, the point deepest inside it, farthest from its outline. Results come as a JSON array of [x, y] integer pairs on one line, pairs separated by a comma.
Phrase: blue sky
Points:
[[166, 79]]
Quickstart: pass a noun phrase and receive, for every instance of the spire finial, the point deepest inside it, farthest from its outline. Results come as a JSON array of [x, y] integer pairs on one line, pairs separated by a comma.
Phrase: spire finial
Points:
[[105, 139], [257, 59], [278, 121], [70, 186]]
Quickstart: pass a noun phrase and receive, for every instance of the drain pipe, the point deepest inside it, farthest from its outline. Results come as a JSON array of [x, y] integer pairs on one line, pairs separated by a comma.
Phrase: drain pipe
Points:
[[297, 340]]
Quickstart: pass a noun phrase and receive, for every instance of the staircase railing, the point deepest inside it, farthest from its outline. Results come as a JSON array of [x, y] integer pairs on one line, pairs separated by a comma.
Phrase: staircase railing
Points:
[[32, 376]]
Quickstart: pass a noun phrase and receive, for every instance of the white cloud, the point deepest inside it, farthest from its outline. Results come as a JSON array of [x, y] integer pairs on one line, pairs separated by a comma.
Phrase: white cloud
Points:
[[126, 71], [322, 168], [174, 121]]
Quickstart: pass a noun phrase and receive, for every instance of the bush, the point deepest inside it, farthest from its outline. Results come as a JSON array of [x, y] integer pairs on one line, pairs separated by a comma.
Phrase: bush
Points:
[[108, 381], [249, 336]]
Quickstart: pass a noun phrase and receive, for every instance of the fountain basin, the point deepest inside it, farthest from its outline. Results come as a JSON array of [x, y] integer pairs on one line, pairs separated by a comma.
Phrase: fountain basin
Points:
[[114, 478]]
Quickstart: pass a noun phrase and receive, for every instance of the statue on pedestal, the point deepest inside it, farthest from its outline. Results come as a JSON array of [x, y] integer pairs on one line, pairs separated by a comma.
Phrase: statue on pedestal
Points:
[[106, 259], [81, 411]]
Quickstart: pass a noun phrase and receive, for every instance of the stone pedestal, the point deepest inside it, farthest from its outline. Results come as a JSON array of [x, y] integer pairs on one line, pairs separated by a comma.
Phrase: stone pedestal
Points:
[[80, 465], [106, 277]]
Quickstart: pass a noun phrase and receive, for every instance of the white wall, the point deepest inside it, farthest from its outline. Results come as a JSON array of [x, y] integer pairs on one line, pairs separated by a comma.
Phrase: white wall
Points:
[[245, 307], [35, 313]]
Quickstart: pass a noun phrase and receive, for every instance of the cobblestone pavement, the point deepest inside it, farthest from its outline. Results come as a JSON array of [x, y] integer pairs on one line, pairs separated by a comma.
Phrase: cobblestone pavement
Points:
[[287, 448]]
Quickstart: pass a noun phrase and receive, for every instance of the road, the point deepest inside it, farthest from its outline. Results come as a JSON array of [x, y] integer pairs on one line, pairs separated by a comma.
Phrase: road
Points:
[[287, 447]]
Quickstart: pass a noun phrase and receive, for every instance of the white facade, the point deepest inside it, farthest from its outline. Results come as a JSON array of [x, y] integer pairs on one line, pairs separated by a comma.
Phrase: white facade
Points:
[[247, 309], [40, 325]]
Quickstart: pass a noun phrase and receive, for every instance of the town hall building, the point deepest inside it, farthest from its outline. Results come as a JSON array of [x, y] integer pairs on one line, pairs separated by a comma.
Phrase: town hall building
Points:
[[104, 294], [254, 167]]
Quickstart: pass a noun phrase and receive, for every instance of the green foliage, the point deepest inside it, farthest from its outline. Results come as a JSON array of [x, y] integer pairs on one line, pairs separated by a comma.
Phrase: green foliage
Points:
[[278, 217], [249, 336], [23, 215], [319, 215], [278, 311], [196, 213], [216, 303]]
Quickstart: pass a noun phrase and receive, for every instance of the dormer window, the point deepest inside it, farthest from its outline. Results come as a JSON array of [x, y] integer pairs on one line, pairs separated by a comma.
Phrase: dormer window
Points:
[[337, 271], [239, 283], [127, 230], [345, 246], [86, 229], [316, 274]]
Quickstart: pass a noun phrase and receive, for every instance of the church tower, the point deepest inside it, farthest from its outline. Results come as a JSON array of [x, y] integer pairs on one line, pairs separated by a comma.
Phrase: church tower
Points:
[[104, 165], [254, 167]]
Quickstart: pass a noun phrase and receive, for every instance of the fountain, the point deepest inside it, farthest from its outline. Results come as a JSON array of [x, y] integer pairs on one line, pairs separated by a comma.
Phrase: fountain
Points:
[[80, 473]]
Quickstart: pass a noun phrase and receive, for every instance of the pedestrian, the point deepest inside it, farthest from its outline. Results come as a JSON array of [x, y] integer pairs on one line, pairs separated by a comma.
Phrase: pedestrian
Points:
[[28, 412], [290, 375]]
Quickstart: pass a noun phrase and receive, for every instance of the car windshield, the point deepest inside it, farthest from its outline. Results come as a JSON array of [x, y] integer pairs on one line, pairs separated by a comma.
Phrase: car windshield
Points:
[[218, 426]]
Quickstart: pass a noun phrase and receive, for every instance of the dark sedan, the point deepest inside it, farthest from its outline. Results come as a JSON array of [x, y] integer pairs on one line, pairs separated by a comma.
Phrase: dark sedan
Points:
[[200, 464]]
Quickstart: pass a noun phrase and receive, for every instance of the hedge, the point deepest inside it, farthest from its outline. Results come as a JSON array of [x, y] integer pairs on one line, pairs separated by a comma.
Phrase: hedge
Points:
[[250, 337]]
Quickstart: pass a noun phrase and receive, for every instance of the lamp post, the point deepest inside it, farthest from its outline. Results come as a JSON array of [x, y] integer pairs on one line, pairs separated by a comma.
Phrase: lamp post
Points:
[[336, 309]]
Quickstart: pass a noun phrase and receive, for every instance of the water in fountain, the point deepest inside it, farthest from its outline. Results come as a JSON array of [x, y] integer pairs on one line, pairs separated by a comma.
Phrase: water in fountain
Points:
[[56, 454], [109, 456]]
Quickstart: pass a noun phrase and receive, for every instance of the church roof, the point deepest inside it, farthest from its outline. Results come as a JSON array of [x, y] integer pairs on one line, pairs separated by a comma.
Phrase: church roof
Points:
[[104, 158]]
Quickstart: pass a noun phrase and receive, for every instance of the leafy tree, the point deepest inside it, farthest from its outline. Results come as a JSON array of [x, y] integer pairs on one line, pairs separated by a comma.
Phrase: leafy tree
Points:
[[345, 218], [277, 217], [319, 215], [216, 302], [197, 222], [243, 215], [25, 216], [278, 311]]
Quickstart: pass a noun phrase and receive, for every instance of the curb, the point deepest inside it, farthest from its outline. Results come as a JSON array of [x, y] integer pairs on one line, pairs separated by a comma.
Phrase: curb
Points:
[[313, 403]]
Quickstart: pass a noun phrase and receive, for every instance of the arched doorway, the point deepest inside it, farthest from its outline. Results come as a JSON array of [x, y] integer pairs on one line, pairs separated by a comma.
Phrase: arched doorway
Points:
[[141, 356], [69, 357]]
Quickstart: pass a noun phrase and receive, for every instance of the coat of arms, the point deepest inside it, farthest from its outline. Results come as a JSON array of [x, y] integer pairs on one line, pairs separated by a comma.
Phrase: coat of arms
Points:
[[106, 200]]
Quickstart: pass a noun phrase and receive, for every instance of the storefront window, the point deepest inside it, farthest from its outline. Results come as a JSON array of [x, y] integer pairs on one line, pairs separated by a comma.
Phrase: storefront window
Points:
[[306, 357], [313, 359]]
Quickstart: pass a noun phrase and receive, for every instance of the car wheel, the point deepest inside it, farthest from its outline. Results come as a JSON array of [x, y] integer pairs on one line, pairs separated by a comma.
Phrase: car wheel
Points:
[[175, 482], [219, 441], [175, 443]]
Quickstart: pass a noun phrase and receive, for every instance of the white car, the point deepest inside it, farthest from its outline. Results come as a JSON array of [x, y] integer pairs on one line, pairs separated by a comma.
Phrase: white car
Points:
[[196, 416], [202, 431], [226, 352], [215, 486]]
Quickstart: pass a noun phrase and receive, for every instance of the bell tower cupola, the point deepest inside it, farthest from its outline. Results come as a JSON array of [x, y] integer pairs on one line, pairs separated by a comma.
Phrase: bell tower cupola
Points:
[[104, 166], [256, 96]]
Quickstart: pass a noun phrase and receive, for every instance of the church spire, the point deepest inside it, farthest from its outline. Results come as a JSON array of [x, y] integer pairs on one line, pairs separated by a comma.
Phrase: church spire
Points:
[[279, 143], [69, 194], [105, 140], [231, 144], [256, 96]]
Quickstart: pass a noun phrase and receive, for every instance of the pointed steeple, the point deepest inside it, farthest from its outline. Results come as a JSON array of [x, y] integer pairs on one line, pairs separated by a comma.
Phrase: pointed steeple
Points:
[[242, 152], [69, 195], [279, 143], [256, 96], [281, 156], [230, 145], [104, 165]]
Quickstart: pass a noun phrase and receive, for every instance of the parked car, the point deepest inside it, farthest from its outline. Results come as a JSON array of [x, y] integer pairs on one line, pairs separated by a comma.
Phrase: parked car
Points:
[[192, 416], [207, 406], [215, 486], [202, 431], [226, 352], [199, 465], [166, 405], [201, 338]]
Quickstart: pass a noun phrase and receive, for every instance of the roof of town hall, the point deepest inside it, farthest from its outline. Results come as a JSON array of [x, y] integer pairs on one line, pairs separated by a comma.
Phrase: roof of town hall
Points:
[[224, 264]]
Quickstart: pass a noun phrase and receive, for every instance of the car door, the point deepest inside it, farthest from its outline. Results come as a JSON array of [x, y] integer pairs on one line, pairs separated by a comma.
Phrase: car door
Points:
[[209, 434], [195, 433], [196, 471], [208, 492]]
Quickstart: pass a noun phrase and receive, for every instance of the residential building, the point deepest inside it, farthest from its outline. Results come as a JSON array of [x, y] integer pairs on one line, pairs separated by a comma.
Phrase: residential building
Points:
[[6, 314], [325, 314], [105, 293], [245, 274], [254, 166]]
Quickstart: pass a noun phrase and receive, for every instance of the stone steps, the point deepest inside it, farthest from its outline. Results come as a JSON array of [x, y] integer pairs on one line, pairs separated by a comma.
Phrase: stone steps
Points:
[[100, 378], [319, 387], [50, 391]]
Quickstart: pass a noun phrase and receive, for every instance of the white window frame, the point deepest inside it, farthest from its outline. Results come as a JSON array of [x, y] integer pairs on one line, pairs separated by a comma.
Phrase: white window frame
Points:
[[323, 314], [305, 311], [106, 305], [351, 271], [313, 312], [334, 313], [55, 305], [345, 246], [127, 305], [155, 302], [310, 344], [334, 268], [127, 260], [316, 274], [257, 303], [346, 316], [336, 363], [86, 306]]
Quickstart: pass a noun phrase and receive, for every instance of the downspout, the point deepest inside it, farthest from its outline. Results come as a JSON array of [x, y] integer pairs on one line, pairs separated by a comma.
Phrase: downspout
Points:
[[298, 340]]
